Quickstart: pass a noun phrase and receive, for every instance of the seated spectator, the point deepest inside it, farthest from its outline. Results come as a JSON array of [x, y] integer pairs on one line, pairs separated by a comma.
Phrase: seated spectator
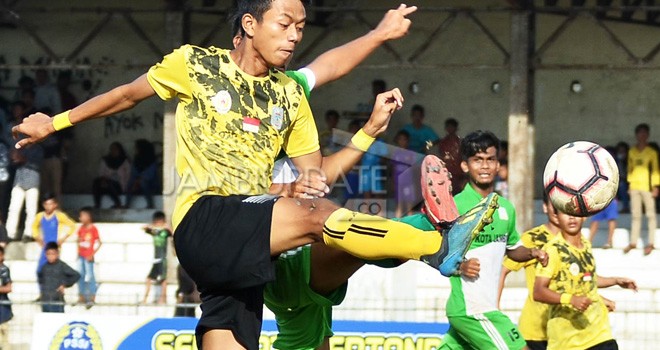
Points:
[[114, 172], [143, 173]]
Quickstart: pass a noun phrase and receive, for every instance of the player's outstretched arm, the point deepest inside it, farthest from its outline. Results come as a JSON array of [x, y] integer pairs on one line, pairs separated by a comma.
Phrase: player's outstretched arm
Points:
[[38, 126], [336, 63], [626, 283], [522, 253]]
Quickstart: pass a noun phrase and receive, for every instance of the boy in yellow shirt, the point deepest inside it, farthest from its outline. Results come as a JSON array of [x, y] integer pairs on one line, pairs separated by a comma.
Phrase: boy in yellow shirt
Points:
[[643, 180], [51, 225], [577, 316]]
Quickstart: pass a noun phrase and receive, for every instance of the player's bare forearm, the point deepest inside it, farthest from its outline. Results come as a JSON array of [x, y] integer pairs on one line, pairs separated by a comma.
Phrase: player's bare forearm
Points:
[[38, 126], [623, 282], [336, 63], [505, 272], [542, 292], [522, 254]]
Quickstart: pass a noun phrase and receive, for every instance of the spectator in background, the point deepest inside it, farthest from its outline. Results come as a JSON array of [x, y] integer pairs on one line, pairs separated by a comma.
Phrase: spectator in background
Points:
[[622, 194], [328, 147], [51, 225], [51, 166], [27, 97], [114, 172], [643, 179], [89, 244], [187, 295], [420, 133], [24, 83], [160, 231], [143, 173], [502, 178], [27, 162], [402, 172], [353, 176], [67, 99], [4, 237], [46, 94], [6, 313], [53, 278], [450, 153]]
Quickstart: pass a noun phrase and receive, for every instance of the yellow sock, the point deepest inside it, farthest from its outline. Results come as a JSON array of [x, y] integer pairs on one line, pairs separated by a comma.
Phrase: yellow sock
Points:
[[372, 237]]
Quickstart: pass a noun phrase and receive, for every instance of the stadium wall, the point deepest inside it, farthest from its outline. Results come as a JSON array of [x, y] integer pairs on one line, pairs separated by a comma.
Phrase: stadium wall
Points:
[[611, 103]]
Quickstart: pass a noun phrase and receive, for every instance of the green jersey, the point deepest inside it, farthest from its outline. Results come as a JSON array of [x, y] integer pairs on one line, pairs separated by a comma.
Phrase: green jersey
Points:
[[478, 296]]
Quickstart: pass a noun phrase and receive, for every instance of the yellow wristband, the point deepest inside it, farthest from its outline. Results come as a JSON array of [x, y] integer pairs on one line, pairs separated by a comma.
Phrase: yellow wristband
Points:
[[61, 121], [362, 141], [566, 298]]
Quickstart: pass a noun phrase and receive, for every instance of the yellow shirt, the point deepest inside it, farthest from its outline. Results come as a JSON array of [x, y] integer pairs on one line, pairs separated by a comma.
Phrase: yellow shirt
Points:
[[230, 125], [572, 270], [533, 317], [643, 172], [65, 225]]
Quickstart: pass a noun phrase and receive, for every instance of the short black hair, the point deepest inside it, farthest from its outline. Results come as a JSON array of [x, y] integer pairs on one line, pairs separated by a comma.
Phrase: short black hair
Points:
[[451, 122], [332, 113], [478, 141], [642, 126], [159, 215], [51, 246], [402, 133], [48, 196], [2, 249], [417, 108], [256, 8], [380, 84], [87, 210]]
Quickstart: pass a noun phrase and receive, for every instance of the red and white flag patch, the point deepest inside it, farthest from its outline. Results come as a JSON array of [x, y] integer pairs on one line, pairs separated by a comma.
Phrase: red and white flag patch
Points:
[[251, 124]]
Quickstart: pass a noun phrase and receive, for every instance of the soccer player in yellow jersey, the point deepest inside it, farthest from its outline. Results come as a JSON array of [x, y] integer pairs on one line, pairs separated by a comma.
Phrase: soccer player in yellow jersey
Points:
[[577, 315], [643, 180], [533, 317], [235, 113]]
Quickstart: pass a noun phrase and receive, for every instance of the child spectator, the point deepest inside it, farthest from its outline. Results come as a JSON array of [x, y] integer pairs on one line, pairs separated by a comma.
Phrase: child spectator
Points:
[[5, 305], [51, 225], [88, 244], [54, 277], [402, 172], [160, 232], [577, 318]]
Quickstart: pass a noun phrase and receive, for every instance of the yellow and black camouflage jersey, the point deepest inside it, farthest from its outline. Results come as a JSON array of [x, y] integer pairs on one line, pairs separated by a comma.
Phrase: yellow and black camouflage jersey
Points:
[[533, 316], [230, 125], [572, 270]]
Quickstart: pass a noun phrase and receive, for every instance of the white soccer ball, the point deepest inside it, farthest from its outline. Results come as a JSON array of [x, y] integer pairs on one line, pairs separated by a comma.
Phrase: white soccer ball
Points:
[[581, 178]]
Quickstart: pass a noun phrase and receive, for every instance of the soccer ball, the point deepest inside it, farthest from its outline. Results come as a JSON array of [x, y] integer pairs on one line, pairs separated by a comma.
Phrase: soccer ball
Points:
[[581, 178]]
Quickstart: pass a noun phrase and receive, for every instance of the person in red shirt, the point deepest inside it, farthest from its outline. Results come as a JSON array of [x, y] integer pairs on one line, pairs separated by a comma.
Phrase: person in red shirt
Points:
[[88, 244]]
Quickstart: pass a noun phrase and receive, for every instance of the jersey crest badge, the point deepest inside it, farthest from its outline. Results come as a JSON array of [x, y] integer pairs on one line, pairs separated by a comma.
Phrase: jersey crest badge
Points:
[[574, 269], [222, 101], [277, 117]]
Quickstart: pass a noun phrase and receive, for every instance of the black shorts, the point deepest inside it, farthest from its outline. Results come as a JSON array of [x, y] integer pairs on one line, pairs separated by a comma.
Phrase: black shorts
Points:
[[158, 271], [606, 345], [537, 344], [224, 245]]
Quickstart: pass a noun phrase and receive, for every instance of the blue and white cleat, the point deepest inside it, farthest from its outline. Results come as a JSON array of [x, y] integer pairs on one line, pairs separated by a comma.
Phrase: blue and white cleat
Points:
[[458, 236]]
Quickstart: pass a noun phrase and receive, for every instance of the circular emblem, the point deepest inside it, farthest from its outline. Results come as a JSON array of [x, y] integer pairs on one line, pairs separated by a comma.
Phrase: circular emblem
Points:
[[222, 101], [574, 269], [76, 335]]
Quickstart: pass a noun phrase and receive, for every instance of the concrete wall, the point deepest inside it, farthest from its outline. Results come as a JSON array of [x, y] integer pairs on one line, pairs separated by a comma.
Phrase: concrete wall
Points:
[[612, 101]]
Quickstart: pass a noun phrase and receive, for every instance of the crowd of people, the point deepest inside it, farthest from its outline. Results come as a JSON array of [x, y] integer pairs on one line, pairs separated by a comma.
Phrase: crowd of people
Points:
[[231, 239]]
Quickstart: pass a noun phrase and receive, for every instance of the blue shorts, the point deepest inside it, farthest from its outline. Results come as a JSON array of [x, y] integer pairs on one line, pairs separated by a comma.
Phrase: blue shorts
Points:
[[611, 212]]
